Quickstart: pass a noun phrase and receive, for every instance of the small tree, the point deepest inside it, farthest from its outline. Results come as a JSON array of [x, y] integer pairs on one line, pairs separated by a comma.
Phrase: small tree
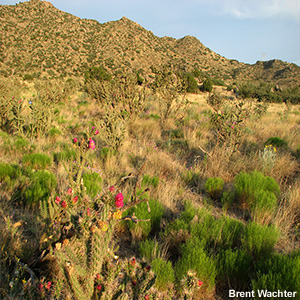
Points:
[[207, 85]]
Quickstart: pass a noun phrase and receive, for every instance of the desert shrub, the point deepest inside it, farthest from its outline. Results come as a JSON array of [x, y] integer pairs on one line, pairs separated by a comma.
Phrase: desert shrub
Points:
[[149, 181], [21, 145], [189, 212], [164, 272], [276, 142], [106, 153], [214, 187], [54, 132], [37, 161], [226, 233], [195, 258], [190, 83], [191, 178], [233, 269], [202, 229], [42, 184], [207, 85], [227, 200], [267, 158], [278, 272], [64, 155], [6, 170], [143, 229], [97, 73], [259, 240], [149, 250], [93, 183], [249, 187]]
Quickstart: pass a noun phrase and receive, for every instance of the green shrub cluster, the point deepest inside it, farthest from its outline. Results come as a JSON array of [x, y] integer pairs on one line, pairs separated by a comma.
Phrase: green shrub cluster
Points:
[[214, 187], [37, 161], [93, 183], [257, 191], [143, 229], [42, 184]]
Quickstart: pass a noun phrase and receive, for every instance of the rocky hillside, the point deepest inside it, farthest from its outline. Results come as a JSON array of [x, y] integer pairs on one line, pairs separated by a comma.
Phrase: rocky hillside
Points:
[[38, 39]]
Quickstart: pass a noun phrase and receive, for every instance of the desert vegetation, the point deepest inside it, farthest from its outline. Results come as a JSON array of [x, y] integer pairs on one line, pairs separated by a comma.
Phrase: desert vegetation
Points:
[[113, 188], [139, 167]]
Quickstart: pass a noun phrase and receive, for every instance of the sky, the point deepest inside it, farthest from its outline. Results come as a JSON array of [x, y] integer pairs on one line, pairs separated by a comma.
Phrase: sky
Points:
[[245, 30]]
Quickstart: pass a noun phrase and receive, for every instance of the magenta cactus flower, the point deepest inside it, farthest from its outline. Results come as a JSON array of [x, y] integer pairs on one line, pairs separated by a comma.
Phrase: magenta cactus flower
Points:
[[57, 200], [119, 200], [92, 144]]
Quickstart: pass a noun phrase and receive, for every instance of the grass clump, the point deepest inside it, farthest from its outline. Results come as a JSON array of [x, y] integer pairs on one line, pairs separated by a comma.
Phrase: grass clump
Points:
[[37, 161], [42, 184], [257, 192], [195, 258], [165, 273], [279, 272], [93, 183], [214, 187], [151, 219], [259, 240]]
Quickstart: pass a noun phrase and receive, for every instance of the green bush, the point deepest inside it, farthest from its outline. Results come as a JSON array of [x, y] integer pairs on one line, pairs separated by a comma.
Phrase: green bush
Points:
[[149, 250], [207, 85], [54, 132], [259, 240], [189, 212], [233, 269], [42, 184], [37, 161], [202, 229], [164, 272], [195, 258], [279, 272], [150, 181], [64, 156], [226, 233], [227, 200], [106, 153], [93, 183], [191, 178], [214, 187], [142, 229], [250, 187], [6, 170], [276, 142]]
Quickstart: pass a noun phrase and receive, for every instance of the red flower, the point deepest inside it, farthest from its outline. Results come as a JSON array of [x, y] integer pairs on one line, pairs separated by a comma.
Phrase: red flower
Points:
[[75, 199], [64, 204], [69, 192], [48, 286], [96, 132], [57, 200], [148, 268], [200, 283], [119, 200], [88, 211], [98, 276], [75, 140], [99, 287], [40, 286], [112, 189], [134, 282], [147, 297]]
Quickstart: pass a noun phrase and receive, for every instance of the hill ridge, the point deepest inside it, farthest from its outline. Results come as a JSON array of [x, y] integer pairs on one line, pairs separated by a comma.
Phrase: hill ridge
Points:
[[39, 39]]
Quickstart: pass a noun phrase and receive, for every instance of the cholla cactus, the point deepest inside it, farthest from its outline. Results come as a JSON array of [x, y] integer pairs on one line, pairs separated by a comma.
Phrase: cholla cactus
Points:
[[190, 284]]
